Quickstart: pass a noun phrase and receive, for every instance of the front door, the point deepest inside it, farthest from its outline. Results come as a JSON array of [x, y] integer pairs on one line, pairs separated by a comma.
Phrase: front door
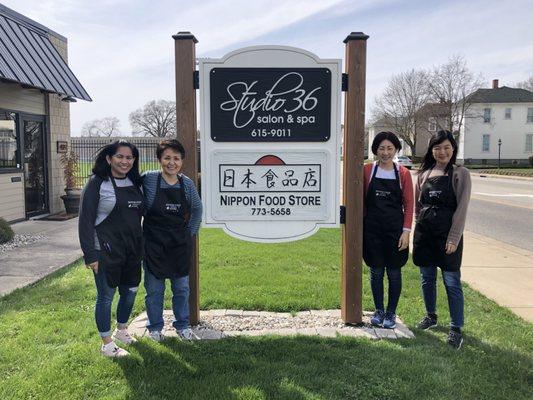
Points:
[[35, 185]]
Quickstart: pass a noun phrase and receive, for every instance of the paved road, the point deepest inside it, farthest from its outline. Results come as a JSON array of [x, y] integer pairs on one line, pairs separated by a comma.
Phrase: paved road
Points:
[[502, 209]]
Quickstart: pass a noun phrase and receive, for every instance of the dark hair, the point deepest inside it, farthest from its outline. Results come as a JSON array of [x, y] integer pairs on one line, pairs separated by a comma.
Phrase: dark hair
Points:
[[381, 136], [429, 161], [173, 144], [102, 168]]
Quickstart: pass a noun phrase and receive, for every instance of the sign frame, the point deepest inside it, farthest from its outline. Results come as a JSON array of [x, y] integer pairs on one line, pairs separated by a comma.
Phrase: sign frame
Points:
[[264, 230]]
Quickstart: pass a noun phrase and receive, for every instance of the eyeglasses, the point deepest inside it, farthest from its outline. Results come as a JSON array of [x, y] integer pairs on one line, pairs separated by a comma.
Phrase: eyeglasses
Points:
[[122, 157]]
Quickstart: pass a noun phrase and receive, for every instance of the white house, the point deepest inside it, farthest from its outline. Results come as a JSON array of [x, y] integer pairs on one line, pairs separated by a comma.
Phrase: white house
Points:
[[499, 113]]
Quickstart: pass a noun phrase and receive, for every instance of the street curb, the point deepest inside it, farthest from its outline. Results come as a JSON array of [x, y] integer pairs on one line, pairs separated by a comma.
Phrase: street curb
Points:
[[511, 177]]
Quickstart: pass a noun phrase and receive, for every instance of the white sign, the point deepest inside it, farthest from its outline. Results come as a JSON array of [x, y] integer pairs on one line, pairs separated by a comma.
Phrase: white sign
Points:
[[270, 140]]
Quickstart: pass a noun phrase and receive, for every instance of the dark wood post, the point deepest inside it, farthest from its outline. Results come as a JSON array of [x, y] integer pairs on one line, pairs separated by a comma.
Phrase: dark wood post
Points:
[[185, 62], [353, 160]]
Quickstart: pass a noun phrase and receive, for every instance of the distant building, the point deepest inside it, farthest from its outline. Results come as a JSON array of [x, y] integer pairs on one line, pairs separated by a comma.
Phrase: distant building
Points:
[[36, 88], [499, 113]]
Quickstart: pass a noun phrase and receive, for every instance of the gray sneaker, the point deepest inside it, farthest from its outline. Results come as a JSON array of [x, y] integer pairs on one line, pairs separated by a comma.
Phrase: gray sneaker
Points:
[[377, 318], [455, 339], [187, 334], [427, 323], [389, 321]]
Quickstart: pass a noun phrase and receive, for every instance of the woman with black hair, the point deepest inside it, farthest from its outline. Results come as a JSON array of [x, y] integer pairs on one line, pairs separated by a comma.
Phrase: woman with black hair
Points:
[[442, 194], [174, 213], [111, 238], [388, 214]]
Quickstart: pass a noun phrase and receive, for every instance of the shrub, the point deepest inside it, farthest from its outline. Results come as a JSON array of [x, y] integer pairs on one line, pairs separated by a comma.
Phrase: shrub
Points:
[[530, 161], [6, 233]]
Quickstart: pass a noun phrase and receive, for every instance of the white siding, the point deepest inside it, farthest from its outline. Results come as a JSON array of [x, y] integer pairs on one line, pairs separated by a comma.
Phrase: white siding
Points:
[[14, 97], [12, 198], [512, 132]]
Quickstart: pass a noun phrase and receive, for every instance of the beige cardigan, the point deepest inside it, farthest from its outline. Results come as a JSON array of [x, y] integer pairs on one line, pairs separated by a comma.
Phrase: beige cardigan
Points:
[[462, 186]]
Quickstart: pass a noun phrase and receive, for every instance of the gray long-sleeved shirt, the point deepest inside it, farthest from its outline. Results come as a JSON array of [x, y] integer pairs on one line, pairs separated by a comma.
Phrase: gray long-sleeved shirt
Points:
[[462, 186], [191, 194]]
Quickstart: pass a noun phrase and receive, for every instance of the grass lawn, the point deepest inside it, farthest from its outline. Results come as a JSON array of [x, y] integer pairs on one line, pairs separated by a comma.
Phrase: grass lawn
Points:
[[506, 171], [49, 346]]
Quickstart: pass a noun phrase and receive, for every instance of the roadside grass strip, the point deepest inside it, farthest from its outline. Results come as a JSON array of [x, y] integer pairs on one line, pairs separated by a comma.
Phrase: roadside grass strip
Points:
[[49, 347]]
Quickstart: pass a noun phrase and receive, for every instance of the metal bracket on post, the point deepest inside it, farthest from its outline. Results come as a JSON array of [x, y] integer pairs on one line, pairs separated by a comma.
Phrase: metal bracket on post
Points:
[[343, 214], [344, 84], [196, 79]]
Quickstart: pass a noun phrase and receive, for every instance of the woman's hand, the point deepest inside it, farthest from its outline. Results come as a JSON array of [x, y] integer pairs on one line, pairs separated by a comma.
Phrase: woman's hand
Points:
[[403, 243], [450, 248], [93, 266]]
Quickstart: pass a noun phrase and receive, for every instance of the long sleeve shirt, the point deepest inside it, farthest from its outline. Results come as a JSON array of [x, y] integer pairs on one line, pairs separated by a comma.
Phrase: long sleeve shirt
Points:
[[462, 187], [406, 184], [149, 179]]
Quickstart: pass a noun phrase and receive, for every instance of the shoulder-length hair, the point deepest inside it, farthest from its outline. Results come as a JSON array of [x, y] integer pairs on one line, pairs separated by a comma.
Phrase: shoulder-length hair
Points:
[[102, 168], [429, 161]]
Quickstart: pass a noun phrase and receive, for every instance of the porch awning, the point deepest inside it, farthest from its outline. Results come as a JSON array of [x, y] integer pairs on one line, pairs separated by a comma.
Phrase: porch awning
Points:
[[28, 57]]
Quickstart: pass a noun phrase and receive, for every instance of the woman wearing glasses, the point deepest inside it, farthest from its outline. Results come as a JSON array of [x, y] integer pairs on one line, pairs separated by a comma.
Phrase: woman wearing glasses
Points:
[[111, 238]]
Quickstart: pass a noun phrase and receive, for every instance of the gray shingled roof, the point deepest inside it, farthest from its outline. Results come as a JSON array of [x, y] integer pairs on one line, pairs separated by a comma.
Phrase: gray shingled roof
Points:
[[28, 57], [502, 94]]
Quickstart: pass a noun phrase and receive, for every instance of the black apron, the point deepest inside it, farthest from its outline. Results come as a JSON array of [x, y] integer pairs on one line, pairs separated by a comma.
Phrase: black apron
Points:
[[438, 204], [167, 238], [120, 237], [383, 223]]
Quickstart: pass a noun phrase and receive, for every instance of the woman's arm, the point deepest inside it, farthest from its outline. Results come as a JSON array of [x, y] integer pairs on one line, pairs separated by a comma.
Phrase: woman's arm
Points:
[[407, 199], [195, 203], [463, 187], [90, 198]]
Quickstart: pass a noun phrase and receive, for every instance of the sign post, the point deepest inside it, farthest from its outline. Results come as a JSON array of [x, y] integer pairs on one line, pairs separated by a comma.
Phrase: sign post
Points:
[[353, 157], [185, 47]]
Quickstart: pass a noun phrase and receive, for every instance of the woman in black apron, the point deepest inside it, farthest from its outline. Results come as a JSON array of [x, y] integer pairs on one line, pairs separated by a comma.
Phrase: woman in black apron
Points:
[[442, 193], [386, 225], [111, 238], [173, 216]]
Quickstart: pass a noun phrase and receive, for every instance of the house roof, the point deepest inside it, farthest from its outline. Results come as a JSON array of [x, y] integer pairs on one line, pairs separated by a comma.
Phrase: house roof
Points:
[[28, 57], [502, 94]]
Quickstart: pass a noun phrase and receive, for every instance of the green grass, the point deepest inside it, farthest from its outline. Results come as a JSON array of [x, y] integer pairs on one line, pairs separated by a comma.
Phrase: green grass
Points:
[[506, 171], [49, 347]]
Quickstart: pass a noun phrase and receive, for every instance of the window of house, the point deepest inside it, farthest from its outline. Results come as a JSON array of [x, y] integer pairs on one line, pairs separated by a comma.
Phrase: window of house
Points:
[[9, 154], [529, 143], [485, 146], [507, 113], [486, 115], [530, 114], [432, 126]]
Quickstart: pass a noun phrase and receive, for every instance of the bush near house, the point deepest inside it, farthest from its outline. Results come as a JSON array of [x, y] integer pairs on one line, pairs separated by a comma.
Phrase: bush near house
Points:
[[6, 233]]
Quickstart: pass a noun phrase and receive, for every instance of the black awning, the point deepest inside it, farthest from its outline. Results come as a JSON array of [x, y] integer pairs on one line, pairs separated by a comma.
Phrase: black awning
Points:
[[28, 57]]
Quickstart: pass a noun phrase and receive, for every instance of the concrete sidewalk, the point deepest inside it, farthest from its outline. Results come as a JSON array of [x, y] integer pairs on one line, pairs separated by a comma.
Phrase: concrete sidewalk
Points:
[[27, 264], [502, 272]]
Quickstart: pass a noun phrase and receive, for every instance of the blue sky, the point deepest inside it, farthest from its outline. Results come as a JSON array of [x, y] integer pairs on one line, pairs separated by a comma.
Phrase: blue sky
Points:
[[122, 50]]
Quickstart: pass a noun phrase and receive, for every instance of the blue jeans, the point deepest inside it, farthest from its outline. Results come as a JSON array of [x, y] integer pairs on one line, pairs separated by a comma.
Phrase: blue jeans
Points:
[[155, 296], [395, 287], [454, 291], [104, 298]]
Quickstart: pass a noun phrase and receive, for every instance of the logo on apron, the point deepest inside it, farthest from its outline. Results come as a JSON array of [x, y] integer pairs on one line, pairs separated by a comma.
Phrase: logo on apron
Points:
[[382, 193], [435, 193], [134, 204], [172, 207]]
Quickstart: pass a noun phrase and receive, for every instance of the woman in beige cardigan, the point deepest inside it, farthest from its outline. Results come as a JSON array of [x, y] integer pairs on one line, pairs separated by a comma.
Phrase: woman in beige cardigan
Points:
[[442, 194]]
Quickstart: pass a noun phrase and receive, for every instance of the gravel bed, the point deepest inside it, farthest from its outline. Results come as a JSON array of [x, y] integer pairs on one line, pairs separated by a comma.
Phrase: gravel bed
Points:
[[253, 323], [20, 241]]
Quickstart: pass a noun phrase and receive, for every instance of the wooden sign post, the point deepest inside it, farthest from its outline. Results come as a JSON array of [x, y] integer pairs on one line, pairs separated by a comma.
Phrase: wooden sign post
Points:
[[353, 156], [185, 53]]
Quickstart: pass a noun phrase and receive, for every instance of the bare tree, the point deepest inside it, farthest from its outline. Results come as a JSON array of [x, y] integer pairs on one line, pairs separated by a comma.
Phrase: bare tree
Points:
[[103, 127], [156, 118], [449, 85], [398, 106], [527, 84]]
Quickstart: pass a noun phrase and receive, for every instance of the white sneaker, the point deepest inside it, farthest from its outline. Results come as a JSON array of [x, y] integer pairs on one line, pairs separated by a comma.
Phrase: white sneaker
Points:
[[157, 336], [124, 336], [187, 334], [113, 351]]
